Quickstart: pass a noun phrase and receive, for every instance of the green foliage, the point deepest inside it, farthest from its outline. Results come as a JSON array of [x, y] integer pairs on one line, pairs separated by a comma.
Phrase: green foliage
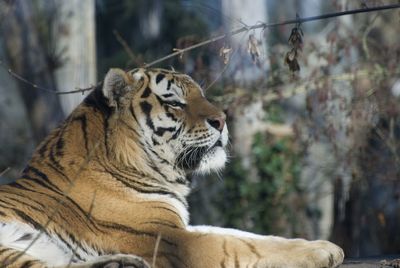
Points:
[[259, 202]]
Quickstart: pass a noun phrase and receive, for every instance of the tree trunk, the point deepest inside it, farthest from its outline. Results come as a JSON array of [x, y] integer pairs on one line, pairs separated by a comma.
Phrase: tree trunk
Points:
[[74, 34]]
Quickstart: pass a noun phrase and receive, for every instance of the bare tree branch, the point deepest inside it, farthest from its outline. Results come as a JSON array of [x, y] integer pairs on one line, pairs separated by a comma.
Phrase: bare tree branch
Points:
[[124, 44], [4, 171], [268, 25], [245, 28]]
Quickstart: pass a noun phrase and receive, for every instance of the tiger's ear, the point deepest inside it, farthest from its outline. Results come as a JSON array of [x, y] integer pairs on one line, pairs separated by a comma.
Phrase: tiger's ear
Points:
[[116, 85]]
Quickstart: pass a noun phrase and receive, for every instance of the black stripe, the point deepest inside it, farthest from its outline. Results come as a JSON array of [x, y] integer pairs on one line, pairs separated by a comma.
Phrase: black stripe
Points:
[[130, 230], [225, 254], [29, 220], [155, 142], [12, 206], [161, 101], [169, 85], [151, 191], [78, 243], [156, 169], [146, 93], [176, 134], [3, 250], [224, 248], [146, 108], [11, 258], [222, 263], [251, 247], [72, 207], [53, 158], [181, 180], [128, 181], [163, 161], [133, 114], [16, 184], [43, 147], [237, 264], [163, 223], [171, 115], [42, 176], [58, 171], [60, 145], [159, 77], [161, 130], [169, 210], [42, 183], [29, 263], [82, 119], [98, 102], [72, 247], [167, 95]]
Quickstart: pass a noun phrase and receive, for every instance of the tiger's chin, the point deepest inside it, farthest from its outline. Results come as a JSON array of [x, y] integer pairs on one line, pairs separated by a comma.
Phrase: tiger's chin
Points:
[[213, 160]]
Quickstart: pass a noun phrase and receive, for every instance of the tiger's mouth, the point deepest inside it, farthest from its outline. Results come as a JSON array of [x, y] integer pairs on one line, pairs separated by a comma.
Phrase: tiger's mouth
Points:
[[191, 159], [217, 144]]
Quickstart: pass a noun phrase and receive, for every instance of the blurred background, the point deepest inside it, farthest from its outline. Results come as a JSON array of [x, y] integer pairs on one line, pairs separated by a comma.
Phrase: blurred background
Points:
[[313, 109]]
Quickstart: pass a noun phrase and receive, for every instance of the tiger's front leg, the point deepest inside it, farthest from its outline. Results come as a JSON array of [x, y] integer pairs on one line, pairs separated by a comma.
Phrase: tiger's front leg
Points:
[[205, 246], [12, 258], [112, 261]]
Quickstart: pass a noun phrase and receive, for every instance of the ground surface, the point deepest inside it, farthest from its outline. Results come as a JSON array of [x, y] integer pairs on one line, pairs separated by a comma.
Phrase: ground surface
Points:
[[391, 262]]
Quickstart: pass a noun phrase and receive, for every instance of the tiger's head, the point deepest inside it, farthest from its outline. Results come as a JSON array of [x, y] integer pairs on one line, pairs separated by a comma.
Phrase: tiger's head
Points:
[[167, 111]]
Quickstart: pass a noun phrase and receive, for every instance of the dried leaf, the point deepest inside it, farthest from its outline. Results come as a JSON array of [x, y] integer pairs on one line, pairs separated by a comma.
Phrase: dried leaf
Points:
[[291, 61], [253, 49], [296, 42], [296, 38], [225, 53]]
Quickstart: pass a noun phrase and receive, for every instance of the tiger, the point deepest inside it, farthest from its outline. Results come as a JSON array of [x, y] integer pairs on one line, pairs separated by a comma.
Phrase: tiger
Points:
[[109, 186]]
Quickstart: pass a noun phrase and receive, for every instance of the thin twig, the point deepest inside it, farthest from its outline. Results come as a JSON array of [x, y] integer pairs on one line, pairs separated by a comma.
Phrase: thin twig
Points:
[[222, 36], [79, 90], [365, 35], [125, 45], [153, 265], [5, 171], [268, 25], [225, 67], [26, 81]]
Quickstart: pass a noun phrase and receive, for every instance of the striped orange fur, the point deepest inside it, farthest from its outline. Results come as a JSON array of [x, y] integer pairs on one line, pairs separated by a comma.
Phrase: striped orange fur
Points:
[[110, 183]]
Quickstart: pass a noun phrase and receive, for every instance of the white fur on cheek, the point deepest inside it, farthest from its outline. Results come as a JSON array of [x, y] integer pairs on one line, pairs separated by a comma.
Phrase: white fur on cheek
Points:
[[216, 158], [224, 136]]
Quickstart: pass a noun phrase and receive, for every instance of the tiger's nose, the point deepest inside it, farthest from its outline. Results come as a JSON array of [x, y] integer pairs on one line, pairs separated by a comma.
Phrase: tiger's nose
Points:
[[217, 122]]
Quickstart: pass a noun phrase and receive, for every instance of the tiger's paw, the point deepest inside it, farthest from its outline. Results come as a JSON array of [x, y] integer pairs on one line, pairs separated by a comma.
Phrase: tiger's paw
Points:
[[306, 254], [115, 261], [317, 254], [320, 254]]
